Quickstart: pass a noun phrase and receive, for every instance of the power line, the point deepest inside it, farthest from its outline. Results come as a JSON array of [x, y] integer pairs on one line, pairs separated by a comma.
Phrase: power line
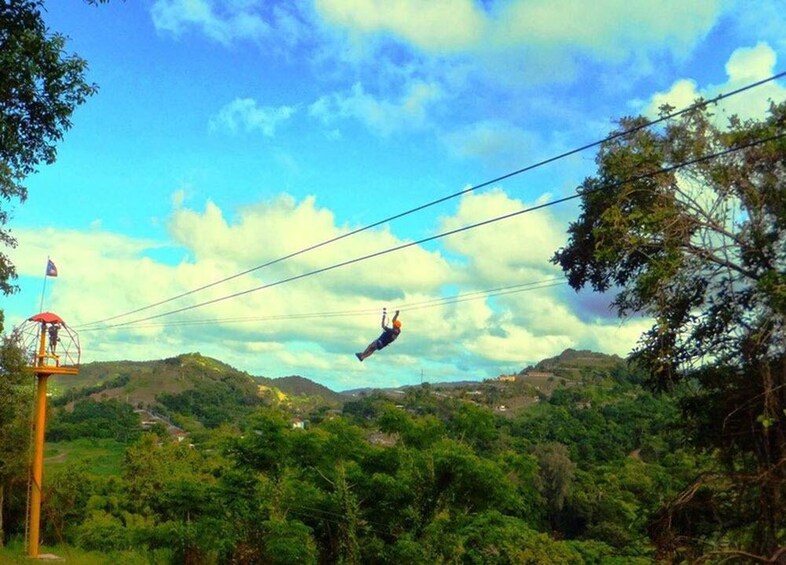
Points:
[[547, 161], [425, 304], [599, 188]]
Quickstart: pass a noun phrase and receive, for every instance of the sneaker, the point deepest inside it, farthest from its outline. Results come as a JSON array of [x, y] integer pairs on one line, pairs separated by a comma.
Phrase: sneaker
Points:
[[359, 357]]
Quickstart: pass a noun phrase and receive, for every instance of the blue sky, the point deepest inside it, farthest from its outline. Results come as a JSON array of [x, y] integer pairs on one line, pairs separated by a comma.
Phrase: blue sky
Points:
[[228, 133]]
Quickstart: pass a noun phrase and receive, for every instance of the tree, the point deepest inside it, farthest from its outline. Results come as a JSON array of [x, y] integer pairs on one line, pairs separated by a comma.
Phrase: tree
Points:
[[288, 542], [40, 87], [16, 397], [475, 425], [555, 477], [688, 225]]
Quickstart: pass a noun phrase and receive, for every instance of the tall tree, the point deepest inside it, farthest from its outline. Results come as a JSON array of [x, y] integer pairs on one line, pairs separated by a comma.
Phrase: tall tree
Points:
[[688, 225], [16, 397], [555, 477], [40, 87]]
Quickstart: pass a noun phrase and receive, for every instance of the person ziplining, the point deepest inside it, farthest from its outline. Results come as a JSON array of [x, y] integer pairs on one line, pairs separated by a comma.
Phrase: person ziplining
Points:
[[389, 335]]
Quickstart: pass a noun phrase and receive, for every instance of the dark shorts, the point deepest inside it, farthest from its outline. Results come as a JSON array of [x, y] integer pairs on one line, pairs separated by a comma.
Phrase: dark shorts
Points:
[[387, 337]]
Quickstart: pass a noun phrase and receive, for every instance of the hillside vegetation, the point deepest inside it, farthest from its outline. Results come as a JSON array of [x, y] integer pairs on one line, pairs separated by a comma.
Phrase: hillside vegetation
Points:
[[459, 473], [187, 388]]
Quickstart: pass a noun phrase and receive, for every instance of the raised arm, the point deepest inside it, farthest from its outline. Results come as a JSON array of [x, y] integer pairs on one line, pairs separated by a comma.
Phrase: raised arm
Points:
[[384, 313], [395, 316]]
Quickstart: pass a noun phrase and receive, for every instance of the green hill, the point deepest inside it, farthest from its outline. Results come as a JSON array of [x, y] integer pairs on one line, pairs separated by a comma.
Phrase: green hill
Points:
[[141, 382], [573, 363], [198, 389], [296, 385], [189, 386]]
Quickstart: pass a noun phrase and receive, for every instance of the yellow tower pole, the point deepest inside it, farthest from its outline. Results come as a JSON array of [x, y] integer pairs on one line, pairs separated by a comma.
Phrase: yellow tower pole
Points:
[[38, 465], [45, 364], [38, 448]]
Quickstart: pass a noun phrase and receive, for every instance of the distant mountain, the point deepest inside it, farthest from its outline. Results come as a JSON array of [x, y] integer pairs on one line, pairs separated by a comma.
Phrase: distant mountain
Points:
[[296, 385], [140, 382], [189, 385], [436, 386], [571, 363], [192, 386]]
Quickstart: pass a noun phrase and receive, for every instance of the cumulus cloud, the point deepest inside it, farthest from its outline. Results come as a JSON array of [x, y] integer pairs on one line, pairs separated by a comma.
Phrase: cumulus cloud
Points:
[[746, 65], [309, 313], [378, 114], [244, 114], [81, 289], [509, 251]]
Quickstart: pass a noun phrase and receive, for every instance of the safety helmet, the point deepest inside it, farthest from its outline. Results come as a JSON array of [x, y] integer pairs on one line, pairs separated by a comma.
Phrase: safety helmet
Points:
[[397, 324]]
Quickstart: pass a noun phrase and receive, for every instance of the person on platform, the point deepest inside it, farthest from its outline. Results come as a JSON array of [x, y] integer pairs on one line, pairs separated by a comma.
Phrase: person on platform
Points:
[[53, 339]]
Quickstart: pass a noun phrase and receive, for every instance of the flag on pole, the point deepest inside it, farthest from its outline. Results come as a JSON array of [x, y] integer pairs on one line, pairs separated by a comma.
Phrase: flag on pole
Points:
[[51, 270]]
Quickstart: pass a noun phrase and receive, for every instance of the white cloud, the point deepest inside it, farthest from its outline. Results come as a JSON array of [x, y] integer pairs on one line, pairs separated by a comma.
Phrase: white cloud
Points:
[[492, 141], [509, 251], [751, 64], [380, 115], [243, 114], [312, 325], [224, 22], [746, 65], [256, 238], [424, 24], [609, 28], [682, 94], [519, 346]]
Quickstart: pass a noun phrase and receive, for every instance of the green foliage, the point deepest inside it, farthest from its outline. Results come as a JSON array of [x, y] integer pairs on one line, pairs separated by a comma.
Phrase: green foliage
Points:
[[555, 476], [667, 238], [288, 542], [102, 456], [91, 419], [475, 425], [493, 538], [65, 504], [212, 404], [15, 554], [601, 426], [192, 390], [450, 483], [16, 398], [103, 532], [264, 446], [167, 478], [689, 223], [74, 394]]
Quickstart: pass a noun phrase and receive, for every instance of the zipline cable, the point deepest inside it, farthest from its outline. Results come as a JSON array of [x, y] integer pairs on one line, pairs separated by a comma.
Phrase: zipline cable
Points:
[[547, 161], [599, 188], [425, 304]]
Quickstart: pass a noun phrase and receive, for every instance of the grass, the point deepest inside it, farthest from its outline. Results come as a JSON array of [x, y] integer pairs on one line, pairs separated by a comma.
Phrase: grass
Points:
[[102, 456], [15, 554]]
